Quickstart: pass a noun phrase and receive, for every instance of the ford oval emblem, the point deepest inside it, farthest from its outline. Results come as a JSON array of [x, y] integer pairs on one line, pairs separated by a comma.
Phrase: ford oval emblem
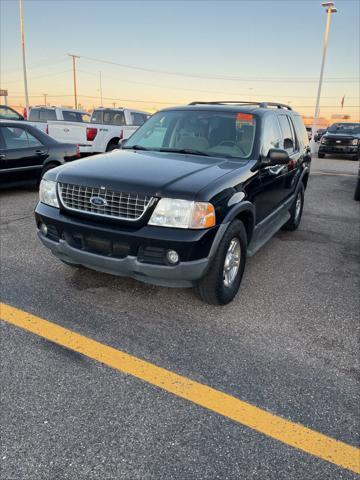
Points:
[[98, 201]]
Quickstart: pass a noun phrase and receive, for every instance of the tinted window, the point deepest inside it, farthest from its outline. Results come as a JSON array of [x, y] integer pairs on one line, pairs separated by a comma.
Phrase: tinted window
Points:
[[34, 115], [47, 114], [213, 133], [114, 118], [346, 128], [271, 135], [288, 143], [16, 137]]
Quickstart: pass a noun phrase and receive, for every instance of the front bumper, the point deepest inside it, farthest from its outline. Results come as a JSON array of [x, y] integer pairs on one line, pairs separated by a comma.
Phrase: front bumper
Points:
[[193, 247], [340, 149]]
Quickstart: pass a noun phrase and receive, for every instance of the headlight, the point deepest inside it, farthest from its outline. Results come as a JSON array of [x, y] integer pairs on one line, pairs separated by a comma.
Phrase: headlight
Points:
[[355, 141], [47, 193], [323, 140], [183, 214]]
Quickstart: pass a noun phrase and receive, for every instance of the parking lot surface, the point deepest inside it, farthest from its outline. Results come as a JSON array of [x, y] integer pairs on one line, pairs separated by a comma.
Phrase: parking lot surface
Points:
[[287, 344]]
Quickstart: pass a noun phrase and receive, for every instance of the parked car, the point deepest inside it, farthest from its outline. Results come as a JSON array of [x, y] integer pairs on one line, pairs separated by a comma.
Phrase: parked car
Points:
[[107, 126], [39, 116], [26, 153], [193, 192], [343, 139], [8, 113]]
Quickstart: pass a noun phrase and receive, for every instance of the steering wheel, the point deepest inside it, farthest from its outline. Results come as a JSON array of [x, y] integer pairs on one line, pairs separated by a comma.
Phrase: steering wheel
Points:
[[230, 143]]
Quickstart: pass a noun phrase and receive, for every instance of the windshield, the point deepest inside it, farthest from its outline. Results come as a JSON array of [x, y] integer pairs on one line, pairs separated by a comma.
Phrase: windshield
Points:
[[347, 128], [212, 133]]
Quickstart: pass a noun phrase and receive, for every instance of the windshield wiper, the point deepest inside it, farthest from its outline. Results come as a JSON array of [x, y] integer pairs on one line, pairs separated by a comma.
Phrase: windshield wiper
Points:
[[189, 151], [134, 147]]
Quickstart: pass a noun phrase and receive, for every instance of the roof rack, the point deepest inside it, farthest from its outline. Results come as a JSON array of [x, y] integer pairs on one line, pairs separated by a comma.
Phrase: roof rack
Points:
[[244, 102]]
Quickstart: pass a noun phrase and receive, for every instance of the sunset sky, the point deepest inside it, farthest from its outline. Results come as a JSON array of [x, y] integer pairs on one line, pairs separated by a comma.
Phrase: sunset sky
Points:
[[203, 50]]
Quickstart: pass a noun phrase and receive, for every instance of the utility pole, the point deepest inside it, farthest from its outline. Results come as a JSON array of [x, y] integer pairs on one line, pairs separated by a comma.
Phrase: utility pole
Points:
[[114, 104], [23, 58], [330, 9], [45, 97], [74, 57], [101, 96]]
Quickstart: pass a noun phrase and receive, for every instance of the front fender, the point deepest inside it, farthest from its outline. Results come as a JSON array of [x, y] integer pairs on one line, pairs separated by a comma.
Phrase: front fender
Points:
[[238, 208]]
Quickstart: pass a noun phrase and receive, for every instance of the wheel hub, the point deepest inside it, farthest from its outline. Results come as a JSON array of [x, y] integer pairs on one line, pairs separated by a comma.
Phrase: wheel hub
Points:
[[232, 262]]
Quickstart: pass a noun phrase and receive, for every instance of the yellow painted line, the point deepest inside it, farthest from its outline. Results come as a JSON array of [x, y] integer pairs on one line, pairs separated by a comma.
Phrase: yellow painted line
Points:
[[285, 431]]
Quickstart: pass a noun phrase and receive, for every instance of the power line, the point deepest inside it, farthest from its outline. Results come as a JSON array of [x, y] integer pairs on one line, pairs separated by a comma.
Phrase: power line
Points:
[[204, 91], [220, 77]]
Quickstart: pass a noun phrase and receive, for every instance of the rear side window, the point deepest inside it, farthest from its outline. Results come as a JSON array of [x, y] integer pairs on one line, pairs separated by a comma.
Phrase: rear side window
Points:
[[47, 114], [271, 135], [289, 138], [15, 138]]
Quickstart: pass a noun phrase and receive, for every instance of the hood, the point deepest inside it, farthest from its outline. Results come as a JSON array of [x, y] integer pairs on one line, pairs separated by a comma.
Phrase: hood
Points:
[[157, 174], [341, 135]]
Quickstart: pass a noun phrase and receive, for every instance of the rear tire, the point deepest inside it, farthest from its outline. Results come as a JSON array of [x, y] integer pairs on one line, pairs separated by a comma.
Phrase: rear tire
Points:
[[222, 281], [48, 167], [321, 155], [296, 211]]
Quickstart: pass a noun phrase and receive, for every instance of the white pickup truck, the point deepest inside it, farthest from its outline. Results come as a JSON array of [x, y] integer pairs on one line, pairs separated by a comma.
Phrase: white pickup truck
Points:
[[107, 126], [39, 116]]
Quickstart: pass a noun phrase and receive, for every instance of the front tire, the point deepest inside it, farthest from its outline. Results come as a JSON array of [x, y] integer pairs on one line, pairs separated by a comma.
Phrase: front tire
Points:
[[222, 281]]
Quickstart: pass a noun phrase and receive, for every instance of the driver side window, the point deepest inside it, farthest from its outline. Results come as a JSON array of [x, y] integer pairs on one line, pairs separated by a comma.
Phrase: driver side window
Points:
[[271, 135]]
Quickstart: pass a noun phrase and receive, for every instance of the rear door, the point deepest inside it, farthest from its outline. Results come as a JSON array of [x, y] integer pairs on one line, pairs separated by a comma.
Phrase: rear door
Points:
[[24, 153]]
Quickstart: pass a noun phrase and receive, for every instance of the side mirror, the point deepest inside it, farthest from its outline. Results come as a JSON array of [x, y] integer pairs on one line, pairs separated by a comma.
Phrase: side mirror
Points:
[[276, 157], [121, 143]]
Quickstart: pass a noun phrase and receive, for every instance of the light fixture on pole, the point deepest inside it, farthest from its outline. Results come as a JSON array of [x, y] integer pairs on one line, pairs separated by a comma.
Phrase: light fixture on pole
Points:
[[74, 57], [330, 9], [23, 59]]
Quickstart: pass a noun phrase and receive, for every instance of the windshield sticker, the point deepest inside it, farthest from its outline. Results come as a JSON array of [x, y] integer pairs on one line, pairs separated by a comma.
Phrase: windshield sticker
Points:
[[244, 119]]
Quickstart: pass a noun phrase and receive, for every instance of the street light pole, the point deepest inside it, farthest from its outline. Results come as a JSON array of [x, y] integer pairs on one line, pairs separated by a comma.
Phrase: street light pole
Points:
[[23, 59], [45, 97], [74, 57], [101, 95], [330, 9]]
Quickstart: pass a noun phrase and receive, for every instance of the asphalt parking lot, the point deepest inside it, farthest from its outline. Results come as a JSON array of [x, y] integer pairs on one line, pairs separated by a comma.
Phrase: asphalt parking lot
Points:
[[288, 344]]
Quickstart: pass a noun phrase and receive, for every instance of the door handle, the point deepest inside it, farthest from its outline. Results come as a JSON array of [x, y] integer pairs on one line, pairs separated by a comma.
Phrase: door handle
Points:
[[39, 152]]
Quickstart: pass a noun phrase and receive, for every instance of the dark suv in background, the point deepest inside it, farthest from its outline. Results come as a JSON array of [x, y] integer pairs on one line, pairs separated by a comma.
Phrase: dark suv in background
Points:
[[341, 139], [192, 192]]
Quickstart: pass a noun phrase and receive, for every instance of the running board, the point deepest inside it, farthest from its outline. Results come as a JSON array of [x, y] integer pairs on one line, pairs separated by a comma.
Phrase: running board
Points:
[[265, 232]]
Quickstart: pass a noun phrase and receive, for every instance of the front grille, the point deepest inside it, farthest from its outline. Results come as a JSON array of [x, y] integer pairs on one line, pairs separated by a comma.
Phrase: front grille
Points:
[[125, 206], [338, 141]]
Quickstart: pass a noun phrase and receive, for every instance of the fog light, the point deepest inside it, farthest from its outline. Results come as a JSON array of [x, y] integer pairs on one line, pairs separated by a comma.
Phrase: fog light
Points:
[[172, 256], [43, 229]]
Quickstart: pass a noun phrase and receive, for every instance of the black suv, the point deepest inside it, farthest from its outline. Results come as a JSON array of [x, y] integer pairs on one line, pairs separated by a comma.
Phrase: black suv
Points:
[[193, 192], [342, 139]]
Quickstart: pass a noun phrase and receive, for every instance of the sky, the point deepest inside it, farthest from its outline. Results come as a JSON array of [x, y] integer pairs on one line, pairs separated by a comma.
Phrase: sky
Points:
[[183, 51]]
